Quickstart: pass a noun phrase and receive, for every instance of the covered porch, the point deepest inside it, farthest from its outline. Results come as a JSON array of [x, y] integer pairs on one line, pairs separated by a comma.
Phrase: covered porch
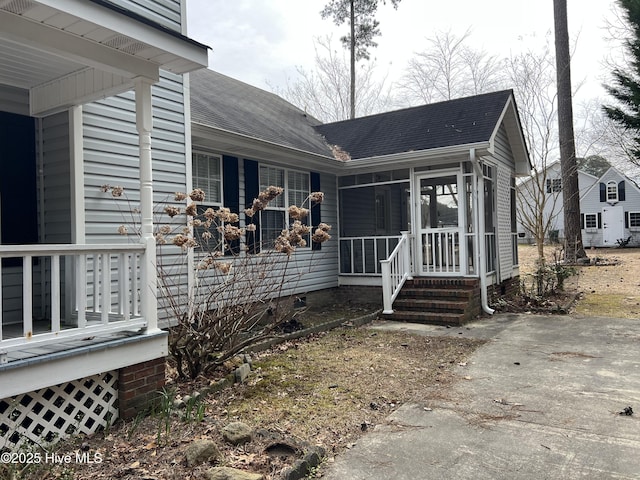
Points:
[[74, 305], [425, 221]]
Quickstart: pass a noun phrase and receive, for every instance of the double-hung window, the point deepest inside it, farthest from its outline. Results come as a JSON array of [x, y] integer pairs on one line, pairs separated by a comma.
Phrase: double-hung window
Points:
[[634, 221], [554, 185], [275, 217], [590, 221], [612, 191], [207, 176]]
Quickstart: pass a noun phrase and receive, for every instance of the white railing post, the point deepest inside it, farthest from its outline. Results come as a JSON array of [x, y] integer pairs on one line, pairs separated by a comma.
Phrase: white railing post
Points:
[[144, 125], [387, 303], [407, 254]]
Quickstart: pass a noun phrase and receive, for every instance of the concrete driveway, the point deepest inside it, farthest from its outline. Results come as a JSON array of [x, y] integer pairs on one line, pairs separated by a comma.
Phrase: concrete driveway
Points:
[[540, 400]]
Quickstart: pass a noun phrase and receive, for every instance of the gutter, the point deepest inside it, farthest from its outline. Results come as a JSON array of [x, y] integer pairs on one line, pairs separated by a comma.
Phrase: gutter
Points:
[[479, 220]]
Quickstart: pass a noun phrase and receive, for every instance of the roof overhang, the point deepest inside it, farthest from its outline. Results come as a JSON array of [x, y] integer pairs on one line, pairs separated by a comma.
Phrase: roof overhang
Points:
[[225, 141], [244, 146], [414, 158], [69, 52]]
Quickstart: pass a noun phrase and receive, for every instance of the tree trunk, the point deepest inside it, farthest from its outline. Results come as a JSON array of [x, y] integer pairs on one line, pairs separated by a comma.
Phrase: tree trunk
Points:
[[570, 193], [352, 97]]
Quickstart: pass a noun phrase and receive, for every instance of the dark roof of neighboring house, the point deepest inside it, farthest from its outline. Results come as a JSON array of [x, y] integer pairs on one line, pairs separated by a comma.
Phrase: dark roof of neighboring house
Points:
[[455, 122], [222, 102]]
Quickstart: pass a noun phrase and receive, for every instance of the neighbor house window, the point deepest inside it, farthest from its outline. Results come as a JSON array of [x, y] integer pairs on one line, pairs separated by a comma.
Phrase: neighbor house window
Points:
[[634, 220], [207, 176], [590, 221], [612, 192], [554, 185], [275, 217]]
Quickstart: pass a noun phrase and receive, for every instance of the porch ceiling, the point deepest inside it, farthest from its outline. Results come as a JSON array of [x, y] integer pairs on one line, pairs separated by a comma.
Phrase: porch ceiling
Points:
[[78, 51]]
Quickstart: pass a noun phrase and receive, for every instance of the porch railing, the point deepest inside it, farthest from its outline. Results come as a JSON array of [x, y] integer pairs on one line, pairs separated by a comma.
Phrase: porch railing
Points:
[[79, 291], [395, 271], [362, 255], [441, 251]]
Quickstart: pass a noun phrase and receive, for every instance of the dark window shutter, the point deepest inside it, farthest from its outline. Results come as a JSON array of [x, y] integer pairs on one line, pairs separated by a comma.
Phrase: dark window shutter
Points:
[[231, 191], [252, 189], [582, 221], [315, 209], [548, 185], [599, 220], [621, 194], [626, 219], [603, 192]]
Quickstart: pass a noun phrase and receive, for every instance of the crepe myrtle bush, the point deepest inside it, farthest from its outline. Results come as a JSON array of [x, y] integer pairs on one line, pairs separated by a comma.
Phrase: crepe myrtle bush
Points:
[[235, 298]]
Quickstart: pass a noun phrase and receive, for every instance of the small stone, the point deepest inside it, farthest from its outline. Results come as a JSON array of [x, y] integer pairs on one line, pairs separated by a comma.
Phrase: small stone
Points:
[[228, 473], [237, 433], [242, 372], [201, 451]]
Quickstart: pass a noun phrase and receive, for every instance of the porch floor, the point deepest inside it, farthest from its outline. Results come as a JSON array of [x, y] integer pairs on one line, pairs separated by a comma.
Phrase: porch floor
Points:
[[56, 347]]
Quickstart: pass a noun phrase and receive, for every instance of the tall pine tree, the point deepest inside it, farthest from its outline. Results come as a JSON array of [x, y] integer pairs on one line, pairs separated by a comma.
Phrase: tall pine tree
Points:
[[626, 81], [360, 15]]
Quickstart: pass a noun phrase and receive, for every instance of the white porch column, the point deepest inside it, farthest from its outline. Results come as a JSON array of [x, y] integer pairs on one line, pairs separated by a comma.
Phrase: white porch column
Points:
[[144, 121]]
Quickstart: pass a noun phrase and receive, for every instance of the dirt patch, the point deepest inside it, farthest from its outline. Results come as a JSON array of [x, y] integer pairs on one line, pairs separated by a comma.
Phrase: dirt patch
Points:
[[327, 389], [609, 286]]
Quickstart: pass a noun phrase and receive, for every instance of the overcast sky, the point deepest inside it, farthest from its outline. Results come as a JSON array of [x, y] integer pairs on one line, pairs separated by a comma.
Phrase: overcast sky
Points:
[[262, 41]]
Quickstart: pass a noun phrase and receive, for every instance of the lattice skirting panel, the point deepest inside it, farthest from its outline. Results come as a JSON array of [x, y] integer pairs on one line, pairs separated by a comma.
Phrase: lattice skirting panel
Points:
[[50, 414]]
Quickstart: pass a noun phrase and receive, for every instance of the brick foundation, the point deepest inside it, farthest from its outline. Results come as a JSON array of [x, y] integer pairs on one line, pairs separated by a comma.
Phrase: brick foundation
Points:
[[507, 289], [346, 294], [139, 386]]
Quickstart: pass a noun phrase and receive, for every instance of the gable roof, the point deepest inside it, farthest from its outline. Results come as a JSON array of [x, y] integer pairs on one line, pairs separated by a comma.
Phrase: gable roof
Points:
[[228, 104], [609, 176], [463, 121]]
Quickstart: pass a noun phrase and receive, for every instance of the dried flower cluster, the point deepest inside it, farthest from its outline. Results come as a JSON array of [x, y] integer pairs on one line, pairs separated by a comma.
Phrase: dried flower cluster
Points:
[[264, 197], [224, 222], [321, 234]]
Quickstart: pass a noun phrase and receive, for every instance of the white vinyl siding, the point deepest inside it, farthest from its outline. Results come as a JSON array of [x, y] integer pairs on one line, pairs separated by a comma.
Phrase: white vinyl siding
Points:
[[163, 12], [111, 154], [504, 168]]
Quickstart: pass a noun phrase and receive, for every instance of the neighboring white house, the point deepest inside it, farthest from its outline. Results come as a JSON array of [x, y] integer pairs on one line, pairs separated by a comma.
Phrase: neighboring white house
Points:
[[609, 207]]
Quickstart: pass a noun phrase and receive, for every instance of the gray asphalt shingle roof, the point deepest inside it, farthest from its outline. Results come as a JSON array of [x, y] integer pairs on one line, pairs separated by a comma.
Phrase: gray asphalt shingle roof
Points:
[[455, 122], [223, 102]]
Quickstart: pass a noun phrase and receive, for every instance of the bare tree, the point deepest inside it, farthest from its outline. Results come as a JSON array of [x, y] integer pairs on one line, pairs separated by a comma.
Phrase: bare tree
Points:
[[571, 194], [533, 76], [324, 92], [448, 69]]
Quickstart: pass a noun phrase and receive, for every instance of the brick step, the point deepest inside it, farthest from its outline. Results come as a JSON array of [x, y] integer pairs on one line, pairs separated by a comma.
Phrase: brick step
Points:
[[429, 305], [439, 293], [444, 283], [429, 318]]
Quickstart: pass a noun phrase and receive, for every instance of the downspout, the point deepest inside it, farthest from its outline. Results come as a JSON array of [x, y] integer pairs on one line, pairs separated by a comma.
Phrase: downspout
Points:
[[479, 220]]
